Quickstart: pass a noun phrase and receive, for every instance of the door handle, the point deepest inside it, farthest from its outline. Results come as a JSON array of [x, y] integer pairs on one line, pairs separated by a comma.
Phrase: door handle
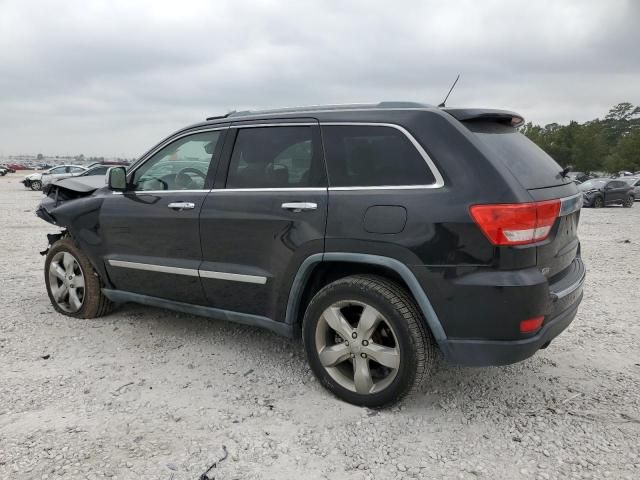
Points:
[[299, 206], [182, 206]]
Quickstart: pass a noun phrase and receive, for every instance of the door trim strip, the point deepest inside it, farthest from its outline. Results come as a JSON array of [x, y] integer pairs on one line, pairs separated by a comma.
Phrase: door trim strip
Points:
[[154, 268], [234, 277], [192, 272]]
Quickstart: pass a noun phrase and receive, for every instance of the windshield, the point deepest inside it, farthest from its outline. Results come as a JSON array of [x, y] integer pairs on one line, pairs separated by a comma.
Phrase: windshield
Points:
[[591, 184], [629, 180]]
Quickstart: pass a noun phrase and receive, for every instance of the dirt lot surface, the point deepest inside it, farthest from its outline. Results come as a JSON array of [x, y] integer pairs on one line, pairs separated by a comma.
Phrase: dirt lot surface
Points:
[[147, 393]]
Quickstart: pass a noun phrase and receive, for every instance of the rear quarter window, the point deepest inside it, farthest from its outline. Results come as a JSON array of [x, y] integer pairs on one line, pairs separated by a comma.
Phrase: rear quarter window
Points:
[[362, 156], [531, 165]]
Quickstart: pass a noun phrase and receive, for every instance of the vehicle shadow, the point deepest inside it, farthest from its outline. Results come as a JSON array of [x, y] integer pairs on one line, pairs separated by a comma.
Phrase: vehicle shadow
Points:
[[519, 387]]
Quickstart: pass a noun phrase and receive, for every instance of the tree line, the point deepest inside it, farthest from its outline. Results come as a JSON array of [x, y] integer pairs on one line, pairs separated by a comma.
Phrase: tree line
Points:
[[607, 145]]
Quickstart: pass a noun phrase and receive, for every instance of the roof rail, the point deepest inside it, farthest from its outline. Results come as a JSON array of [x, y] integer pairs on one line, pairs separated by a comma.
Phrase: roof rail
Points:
[[372, 106]]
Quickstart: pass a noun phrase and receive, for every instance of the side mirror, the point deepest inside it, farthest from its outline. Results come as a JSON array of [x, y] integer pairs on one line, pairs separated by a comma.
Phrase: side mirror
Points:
[[117, 179]]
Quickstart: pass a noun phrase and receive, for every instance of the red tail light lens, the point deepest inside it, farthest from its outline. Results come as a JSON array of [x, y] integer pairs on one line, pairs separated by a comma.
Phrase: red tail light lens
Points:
[[516, 223], [531, 325]]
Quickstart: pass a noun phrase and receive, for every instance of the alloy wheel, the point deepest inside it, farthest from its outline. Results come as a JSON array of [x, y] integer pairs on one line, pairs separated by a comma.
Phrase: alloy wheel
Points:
[[66, 281], [357, 347]]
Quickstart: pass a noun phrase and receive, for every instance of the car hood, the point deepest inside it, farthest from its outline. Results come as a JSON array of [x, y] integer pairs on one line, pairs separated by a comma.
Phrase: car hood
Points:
[[84, 185], [72, 197], [34, 176]]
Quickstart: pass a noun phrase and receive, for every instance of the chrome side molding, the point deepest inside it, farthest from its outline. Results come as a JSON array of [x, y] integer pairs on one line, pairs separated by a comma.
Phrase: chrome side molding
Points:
[[192, 272]]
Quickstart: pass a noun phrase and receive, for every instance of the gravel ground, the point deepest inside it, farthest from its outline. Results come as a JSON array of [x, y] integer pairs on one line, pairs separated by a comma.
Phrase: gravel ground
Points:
[[147, 393]]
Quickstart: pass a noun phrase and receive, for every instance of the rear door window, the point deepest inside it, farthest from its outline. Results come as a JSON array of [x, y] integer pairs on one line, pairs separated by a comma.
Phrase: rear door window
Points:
[[371, 156], [275, 157], [531, 165]]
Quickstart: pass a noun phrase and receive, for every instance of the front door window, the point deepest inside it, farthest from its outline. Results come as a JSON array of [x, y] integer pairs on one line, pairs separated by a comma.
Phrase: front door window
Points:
[[182, 165]]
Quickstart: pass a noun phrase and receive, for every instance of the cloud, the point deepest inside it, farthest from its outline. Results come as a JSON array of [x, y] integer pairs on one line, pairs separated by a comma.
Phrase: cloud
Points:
[[113, 77]]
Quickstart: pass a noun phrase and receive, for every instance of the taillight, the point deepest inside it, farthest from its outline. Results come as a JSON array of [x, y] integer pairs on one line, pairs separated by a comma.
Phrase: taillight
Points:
[[516, 223]]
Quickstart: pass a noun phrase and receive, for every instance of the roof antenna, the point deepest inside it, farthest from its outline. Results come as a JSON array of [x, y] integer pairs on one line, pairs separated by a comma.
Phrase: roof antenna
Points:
[[450, 90]]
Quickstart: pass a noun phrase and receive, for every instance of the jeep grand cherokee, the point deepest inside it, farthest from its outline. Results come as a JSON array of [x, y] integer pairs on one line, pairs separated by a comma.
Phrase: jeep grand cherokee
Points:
[[378, 234]]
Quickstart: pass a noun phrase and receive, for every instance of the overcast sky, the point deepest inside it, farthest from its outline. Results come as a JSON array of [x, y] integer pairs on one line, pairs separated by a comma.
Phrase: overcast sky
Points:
[[114, 77]]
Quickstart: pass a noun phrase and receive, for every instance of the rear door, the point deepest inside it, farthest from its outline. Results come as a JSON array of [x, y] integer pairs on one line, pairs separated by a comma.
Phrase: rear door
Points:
[[151, 231], [615, 192], [266, 218], [536, 171]]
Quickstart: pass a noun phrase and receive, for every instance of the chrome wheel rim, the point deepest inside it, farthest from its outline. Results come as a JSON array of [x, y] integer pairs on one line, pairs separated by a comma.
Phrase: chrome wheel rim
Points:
[[66, 282], [357, 347]]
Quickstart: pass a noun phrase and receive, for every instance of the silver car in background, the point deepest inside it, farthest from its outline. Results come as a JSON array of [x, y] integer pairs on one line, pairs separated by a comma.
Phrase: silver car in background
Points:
[[635, 183], [37, 180]]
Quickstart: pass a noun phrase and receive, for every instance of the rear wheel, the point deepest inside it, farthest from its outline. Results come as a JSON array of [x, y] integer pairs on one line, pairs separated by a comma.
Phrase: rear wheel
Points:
[[598, 202], [36, 185], [366, 340], [72, 283], [628, 202]]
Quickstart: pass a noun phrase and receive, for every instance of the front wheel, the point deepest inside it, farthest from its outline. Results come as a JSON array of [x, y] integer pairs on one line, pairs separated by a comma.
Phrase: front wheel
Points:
[[598, 202], [628, 202], [366, 340], [72, 283], [36, 185]]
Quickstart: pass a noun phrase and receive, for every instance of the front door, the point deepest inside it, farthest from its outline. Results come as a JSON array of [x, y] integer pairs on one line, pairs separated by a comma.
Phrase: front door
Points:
[[151, 231], [269, 215]]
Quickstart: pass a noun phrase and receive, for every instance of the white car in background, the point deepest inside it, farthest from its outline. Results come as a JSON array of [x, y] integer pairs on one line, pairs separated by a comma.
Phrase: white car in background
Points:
[[37, 180]]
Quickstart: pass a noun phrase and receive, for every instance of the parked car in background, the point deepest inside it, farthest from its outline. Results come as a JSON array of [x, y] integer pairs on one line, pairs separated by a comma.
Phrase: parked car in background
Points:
[[635, 183], [312, 223], [16, 166], [97, 170], [76, 170], [94, 170], [603, 192], [622, 173], [35, 181], [3, 171]]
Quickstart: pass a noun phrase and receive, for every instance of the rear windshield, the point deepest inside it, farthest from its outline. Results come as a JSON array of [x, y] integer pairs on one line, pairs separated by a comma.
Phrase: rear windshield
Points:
[[527, 162]]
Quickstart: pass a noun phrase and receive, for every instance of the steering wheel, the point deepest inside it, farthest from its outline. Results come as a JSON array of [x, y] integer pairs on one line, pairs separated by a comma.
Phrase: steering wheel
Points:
[[182, 175]]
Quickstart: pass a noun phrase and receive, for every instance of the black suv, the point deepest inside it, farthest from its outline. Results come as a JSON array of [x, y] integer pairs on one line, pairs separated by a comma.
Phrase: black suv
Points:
[[378, 233]]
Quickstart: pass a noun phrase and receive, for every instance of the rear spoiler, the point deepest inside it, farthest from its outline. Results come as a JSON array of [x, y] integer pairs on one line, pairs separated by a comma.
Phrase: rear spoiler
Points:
[[472, 114]]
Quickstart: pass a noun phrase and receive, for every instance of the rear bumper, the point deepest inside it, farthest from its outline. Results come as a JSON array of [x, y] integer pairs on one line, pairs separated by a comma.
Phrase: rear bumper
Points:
[[565, 296], [482, 353]]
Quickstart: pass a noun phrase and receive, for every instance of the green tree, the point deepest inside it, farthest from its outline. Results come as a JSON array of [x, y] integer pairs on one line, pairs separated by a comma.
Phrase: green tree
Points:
[[626, 154], [611, 144]]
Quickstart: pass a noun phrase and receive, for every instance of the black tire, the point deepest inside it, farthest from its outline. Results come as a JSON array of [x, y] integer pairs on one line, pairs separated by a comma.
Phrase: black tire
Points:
[[94, 303], [598, 202], [36, 185], [414, 340], [628, 202]]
